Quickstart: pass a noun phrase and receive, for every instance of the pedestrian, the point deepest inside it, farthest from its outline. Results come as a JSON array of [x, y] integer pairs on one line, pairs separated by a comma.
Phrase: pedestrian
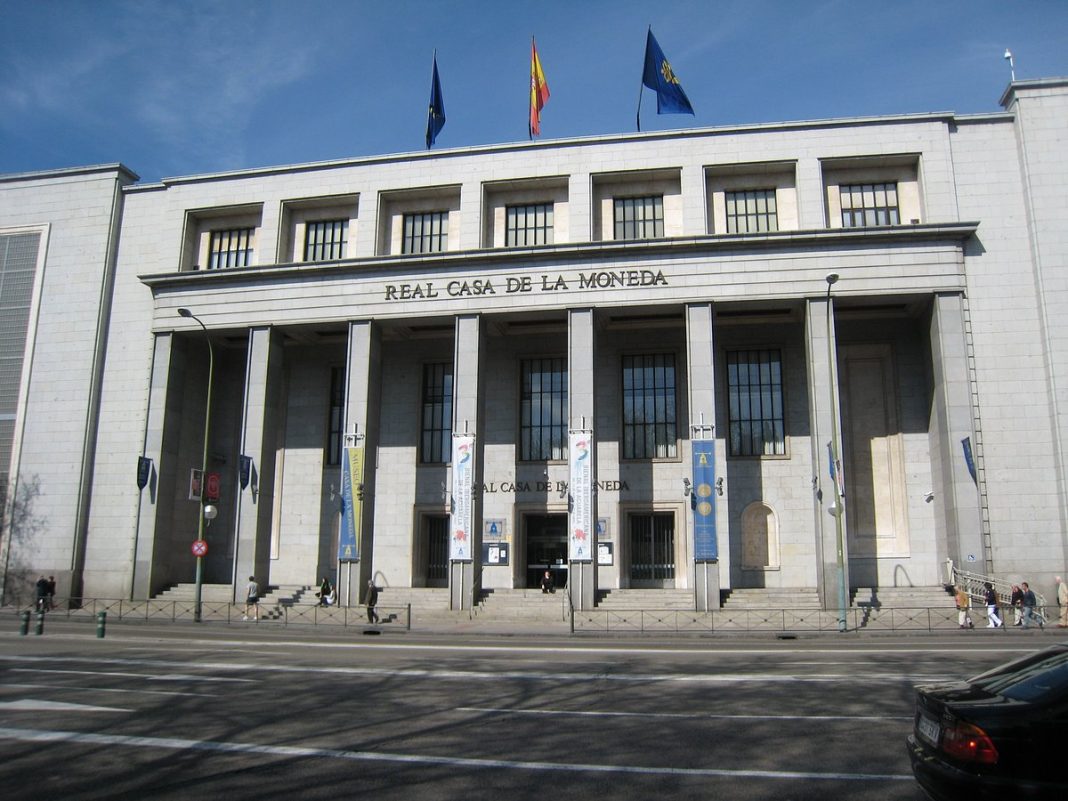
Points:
[[325, 592], [51, 593], [1029, 603], [1062, 601], [372, 602], [252, 599], [1016, 599], [41, 588], [547, 583], [964, 603], [994, 620]]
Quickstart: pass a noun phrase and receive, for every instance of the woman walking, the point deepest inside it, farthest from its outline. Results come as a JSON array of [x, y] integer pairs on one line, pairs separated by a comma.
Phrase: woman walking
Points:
[[993, 619]]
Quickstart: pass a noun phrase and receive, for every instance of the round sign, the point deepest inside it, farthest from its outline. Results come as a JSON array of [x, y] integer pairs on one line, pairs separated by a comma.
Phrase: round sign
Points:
[[200, 548]]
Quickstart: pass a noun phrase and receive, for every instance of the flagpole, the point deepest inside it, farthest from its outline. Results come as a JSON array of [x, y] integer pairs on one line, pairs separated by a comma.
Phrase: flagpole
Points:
[[641, 83], [530, 90]]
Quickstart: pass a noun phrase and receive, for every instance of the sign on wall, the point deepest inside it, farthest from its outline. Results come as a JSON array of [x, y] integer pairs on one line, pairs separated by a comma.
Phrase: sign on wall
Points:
[[463, 479]]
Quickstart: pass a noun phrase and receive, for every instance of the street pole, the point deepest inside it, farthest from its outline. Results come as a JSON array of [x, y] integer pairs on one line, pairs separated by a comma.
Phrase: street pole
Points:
[[838, 509], [203, 463]]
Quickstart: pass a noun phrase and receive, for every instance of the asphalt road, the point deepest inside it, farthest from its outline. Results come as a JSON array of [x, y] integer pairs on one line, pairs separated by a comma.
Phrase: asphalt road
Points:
[[190, 713]]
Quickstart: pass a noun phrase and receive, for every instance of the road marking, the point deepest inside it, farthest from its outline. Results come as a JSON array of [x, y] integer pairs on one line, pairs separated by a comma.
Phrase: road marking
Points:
[[104, 690], [148, 677], [488, 675], [684, 715], [289, 752], [34, 705]]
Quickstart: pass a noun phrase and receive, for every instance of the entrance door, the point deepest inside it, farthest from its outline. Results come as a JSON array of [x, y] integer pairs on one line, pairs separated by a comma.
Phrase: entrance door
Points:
[[437, 550], [546, 548], [652, 550]]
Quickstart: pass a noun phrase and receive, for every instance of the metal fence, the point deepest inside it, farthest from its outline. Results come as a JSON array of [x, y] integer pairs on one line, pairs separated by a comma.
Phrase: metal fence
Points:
[[765, 620], [225, 612]]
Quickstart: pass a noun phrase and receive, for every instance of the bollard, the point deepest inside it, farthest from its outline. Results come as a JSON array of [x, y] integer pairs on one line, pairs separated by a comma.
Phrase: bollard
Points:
[[39, 627], [24, 622], [101, 620]]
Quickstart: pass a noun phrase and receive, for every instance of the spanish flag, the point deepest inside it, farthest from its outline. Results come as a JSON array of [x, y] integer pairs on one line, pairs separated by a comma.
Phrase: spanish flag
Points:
[[539, 91]]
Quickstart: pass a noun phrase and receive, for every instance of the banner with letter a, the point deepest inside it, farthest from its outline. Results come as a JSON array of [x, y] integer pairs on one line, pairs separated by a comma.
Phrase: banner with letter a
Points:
[[463, 480], [348, 541], [705, 546], [580, 539]]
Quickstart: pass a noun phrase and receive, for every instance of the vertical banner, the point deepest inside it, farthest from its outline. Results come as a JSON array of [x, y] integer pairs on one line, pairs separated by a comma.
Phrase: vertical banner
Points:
[[580, 539], [705, 546], [969, 460], [348, 548], [463, 479]]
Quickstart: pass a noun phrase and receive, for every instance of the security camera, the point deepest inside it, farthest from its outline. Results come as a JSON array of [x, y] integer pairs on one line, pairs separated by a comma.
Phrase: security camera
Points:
[[928, 496]]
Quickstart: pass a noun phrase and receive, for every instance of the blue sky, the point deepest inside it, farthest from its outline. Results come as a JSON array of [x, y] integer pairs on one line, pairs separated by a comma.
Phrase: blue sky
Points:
[[178, 88]]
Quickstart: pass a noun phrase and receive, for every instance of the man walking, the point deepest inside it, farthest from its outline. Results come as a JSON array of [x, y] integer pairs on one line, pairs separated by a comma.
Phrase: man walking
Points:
[[252, 599], [372, 602], [994, 620], [1062, 602], [1029, 604]]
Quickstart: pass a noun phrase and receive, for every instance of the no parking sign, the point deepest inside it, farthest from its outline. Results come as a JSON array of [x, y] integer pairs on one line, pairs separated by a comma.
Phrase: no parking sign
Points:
[[200, 548]]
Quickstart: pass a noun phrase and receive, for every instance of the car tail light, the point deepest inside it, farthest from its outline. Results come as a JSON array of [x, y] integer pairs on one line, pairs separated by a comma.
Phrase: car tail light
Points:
[[969, 743]]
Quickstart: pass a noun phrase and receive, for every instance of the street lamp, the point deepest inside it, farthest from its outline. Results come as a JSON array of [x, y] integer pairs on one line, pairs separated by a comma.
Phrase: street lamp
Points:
[[203, 463], [838, 508]]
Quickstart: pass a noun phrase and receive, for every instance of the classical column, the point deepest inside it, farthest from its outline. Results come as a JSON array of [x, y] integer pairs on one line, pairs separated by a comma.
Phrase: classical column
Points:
[[582, 575], [362, 409], [832, 568], [465, 540], [958, 526], [261, 424], [708, 507]]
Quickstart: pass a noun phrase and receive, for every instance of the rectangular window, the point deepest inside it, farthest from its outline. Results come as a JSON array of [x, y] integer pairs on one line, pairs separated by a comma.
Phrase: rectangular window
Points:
[[639, 217], [436, 439], [335, 441], [649, 406], [426, 233], [231, 248], [754, 387], [543, 410], [865, 205], [751, 211], [325, 240], [529, 225]]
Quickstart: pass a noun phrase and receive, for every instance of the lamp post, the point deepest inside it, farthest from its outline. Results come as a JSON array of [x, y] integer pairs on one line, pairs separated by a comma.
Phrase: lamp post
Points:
[[838, 509], [203, 463]]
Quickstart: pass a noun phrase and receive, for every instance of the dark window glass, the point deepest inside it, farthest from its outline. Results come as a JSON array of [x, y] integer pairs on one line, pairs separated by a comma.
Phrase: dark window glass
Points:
[[231, 248], [336, 435], [639, 217], [436, 438], [755, 404], [652, 546], [752, 211], [649, 425], [529, 225], [543, 410], [426, 233], [325, 240], [865, 205]]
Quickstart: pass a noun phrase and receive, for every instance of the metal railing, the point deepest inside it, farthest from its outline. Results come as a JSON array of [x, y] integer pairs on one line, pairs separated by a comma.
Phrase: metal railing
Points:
[[975, 585], [641, 621], [175, 611]]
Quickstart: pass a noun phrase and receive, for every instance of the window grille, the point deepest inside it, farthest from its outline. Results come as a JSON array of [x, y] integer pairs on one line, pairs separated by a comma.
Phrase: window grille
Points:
[[751, 211], [755, 391], [325, 240], [543, 410], [649, 424], [529, 225], [639, 217], [436, 438], [426, 233], [230, 248], [865, 205]]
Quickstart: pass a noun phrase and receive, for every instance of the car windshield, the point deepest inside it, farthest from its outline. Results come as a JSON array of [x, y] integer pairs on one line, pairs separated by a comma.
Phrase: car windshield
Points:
[[1039, 677]]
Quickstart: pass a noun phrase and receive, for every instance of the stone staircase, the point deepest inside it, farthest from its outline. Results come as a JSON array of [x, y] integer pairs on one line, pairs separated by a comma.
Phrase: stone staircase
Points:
[[629, 600], [902, 597], [272, 603], [771, 598], [526, 605]]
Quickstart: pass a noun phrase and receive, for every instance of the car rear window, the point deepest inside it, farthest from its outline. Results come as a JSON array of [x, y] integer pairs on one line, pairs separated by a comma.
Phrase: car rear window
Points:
[[1039, 677]]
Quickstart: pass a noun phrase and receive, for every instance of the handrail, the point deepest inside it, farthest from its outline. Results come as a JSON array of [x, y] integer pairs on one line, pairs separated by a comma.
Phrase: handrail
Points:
[[975, 585]]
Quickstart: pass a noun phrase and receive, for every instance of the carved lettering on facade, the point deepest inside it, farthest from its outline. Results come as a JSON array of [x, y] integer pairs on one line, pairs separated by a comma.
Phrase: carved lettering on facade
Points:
[[512, 285]]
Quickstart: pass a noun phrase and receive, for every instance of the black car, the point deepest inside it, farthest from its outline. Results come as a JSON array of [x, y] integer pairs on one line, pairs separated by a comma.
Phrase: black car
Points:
[[1002, 734]]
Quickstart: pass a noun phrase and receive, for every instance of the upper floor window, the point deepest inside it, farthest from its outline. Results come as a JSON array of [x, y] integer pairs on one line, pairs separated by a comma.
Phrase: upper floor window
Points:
[[325, 240], [755, 388], [230, 248], [751, 211], [649, 424], [543, 410], [435, 446], [426, 232], [529, 225], [865, 205], [639, 217]]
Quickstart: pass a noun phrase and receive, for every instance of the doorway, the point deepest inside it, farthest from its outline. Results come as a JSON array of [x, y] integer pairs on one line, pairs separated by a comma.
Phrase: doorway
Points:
[[546, 548]]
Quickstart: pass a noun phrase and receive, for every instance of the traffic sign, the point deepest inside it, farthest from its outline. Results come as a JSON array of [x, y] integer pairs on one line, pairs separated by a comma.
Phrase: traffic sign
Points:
[[200, 548]]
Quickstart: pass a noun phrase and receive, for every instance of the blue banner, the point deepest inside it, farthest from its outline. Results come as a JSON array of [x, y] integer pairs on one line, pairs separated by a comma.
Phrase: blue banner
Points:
[[966, 443], [705, 545], [348, 549]]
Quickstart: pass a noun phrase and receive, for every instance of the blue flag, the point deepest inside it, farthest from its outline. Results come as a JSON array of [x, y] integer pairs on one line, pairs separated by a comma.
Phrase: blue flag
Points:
[[435, 119], [658, 76]]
